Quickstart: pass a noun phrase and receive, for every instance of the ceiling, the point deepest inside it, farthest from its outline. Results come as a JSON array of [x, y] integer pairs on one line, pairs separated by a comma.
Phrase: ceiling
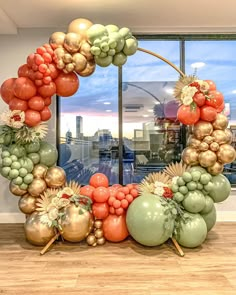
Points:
[[142, 16]]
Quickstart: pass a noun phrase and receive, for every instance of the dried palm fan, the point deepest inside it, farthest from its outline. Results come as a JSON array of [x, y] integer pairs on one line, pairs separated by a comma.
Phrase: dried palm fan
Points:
[[183, 81], [74, 186], [45, 200], [175, 169], [147, 184], [29, 134]]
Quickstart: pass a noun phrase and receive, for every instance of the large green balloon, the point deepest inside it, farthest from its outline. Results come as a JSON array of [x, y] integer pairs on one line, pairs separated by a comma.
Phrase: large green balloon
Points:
[[194, 201], [221, 188], [147, 222], [48, 154], [32, 147], [192, 232], [210, 218]]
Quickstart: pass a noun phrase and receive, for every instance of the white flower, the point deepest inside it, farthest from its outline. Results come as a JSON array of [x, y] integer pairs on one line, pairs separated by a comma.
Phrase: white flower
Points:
[[187, 94], [14, 118], [55, 202], [187, 100], [204, 86], [53, 214], [159, 184], [63, 203], [67, 191], [174, 179], [159, 191], [45, 220]]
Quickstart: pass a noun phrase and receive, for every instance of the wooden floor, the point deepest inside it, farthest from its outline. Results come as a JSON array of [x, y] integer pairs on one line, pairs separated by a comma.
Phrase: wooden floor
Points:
[[118, 269]]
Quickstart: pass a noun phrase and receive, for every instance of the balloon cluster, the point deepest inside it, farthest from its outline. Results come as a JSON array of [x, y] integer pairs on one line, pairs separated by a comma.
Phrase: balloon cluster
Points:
[[96, 236], [111, 45]]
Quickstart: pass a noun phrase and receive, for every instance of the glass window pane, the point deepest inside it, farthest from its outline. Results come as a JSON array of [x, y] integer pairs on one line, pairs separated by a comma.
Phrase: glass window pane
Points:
[[89, 127]]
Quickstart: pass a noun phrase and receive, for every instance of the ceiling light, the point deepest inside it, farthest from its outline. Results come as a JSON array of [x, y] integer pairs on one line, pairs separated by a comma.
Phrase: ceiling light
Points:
[[145, 116], [197, 65]]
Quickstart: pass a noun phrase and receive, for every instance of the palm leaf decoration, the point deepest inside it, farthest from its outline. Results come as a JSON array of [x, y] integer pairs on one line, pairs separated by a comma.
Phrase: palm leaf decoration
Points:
[[175, 169]]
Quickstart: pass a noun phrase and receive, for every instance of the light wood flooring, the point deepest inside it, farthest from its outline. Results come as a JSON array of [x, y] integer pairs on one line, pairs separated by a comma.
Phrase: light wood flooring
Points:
[[118, 269]]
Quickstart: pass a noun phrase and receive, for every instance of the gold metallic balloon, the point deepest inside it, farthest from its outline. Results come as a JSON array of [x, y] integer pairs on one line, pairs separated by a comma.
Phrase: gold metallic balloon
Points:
[[72, 42], [226, 154], [208, 139], [203, 146], [36, 232], [101, 241], [39, 171], [98, 233], [221, 122], [190, 156], [69, 68], [67, 58], [193, 142], [214, 146], [85, 49], [57, 39], [229, 135], [98, 223], [59, 53], [91, 239], [202, 129], [219, 136], [207, 158], [55, 177], [27, 204], [80, 62], [216, 169], [80, 26], [37, 187], [76, 226], [16, 190], [90, 68]]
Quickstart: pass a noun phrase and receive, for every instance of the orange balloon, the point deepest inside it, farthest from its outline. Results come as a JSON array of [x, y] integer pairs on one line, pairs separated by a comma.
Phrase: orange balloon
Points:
[[32, 118], [66, 84], [115, 228], [23, 71], [47, 90], [45, 114], [7, 90], [24, 88], [18, 104]]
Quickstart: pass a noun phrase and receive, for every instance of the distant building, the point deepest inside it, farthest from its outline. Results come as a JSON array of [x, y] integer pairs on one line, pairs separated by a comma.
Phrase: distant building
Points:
[[68, 137], [79, 127]]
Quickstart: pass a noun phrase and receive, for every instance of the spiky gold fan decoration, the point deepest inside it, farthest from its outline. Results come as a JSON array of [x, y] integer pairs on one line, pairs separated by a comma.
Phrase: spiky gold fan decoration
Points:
[[183, 81], [45, 200], [148, 184], [175, 169], [74, 186], [29, 134]]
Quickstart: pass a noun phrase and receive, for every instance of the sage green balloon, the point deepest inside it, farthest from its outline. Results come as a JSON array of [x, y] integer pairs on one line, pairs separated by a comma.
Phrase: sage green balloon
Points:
[[96, 31], [194, 201], [198, 168], [209, 205], [119, 59], [130, 47], [103, 61], [48, 154], [221, 188], [192, 232], [27, 164], [34, 157], [148, 221], [210, 218], [17, 150], [32, 147]]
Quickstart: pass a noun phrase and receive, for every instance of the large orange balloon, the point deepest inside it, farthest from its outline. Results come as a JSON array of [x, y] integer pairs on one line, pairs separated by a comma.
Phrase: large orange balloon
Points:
[[23, 71], [18, 104], [7, 92], [24, 88], [66, 84], [114, 228], [45, 114], [32, 118], [47, 90]]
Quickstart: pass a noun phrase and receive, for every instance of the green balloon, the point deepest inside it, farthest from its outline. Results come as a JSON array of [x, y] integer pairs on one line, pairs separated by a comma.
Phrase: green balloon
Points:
[[119, 59], [16, 165], [209, 205], [112, 28], [221, 188], [17, 150], [27, 164], [34, 157], [148, 222], [5, 154], [96, 31], [5, 171], [48, 154], [28, 178], [6, 161], [130, 47], [194, 201], [103, 61], [192, 232], [18, 180], [198, 168], [13, 173], [210, 218], [32, 147]]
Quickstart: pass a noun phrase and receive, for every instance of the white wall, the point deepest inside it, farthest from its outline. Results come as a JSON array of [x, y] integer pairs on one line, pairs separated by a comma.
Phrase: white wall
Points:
[[14, 50]]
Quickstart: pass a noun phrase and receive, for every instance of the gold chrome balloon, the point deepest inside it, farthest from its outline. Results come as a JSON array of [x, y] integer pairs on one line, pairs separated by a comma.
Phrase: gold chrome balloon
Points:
[[72, 42], [207, 158], [98, 233], [216, 169], [202, 129], [214, 146], [98, 223], [39, 171], [229, 135], [226, 154], [203, 146], [16, 190], [76, 226], [190, 156], [80, 26], [36, 232], [90, 68], [91, 239], [221, 122], [193, 142], [67, 58], [57, 39], [219, 136], [55, 177], [208, 139], [37, 187], [85, 49], [27, 204], [101, 241], [79, 61]]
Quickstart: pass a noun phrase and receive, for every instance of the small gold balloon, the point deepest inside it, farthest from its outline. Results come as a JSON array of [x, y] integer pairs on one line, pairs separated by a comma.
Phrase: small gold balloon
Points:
[[39, 171], [67, 58], [80, 62], [95, 244], [214, 146], [216, 169], [229, 136], [85, 49], [208, 139], [55, 177], [70, 67], [193, 142], [59, 52], [98, 223], [72, 42], [226, 154], [190, 156], [207, 158], [101, 241], [57, 39], [202, 129], [16, 190], [90, 68], [91, 239], [80, 26], [36, 232], [27, 204], [219, 136], [98, 233], [203, 146], [221, 122], [37, 187]]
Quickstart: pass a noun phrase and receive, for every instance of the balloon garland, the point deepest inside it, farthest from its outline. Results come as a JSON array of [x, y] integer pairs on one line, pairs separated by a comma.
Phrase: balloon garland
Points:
[[177, 203]]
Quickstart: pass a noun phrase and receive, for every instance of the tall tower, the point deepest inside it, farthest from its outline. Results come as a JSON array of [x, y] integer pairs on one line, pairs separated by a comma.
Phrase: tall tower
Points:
[[79, 126]]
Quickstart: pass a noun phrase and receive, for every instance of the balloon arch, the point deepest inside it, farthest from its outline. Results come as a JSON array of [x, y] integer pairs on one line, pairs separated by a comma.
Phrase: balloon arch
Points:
[[176, 203]]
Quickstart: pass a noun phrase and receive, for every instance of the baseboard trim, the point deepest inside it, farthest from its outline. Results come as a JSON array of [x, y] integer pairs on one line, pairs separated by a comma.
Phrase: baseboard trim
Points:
[[225, 216]]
